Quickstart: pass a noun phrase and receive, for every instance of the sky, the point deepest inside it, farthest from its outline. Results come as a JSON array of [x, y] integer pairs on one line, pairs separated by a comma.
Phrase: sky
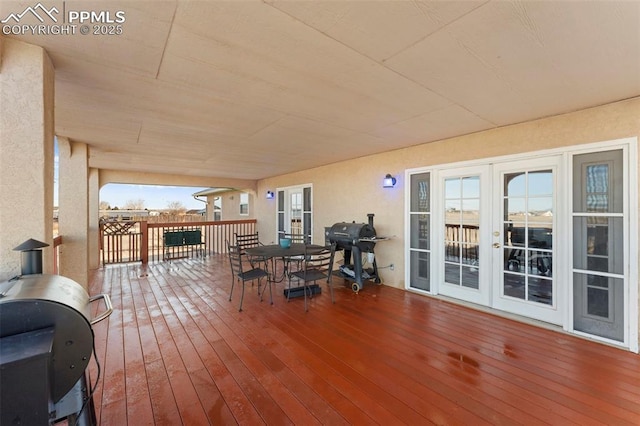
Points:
[[154, 196]]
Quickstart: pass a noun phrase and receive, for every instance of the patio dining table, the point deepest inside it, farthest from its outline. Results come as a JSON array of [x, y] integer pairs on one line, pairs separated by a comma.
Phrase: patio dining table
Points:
[[270, 253]]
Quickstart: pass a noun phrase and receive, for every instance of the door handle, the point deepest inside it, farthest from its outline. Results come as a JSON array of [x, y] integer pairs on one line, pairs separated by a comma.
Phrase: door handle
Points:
[[496, 245]]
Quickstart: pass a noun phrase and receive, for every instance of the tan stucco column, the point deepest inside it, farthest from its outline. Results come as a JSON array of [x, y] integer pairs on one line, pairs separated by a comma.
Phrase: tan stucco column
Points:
[[94, 218], [26, 152], [73, 205]]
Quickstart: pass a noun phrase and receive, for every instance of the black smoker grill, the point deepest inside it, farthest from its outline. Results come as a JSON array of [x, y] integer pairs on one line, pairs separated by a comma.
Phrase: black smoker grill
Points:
[[46, 341], [356, 238]]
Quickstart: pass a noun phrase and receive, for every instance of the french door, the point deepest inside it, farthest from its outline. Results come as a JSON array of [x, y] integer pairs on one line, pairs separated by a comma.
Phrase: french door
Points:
[[525, 239], [497, 228], [465, 215], [295, 212]]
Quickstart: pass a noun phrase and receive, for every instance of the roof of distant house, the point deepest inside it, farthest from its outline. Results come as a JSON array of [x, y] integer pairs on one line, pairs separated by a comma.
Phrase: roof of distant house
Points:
[[211, 191]]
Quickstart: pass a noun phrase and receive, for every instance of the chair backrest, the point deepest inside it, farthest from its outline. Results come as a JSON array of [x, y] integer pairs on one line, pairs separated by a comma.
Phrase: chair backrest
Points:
[[245, 241], [318, 260], [235, 259], [297, 238]]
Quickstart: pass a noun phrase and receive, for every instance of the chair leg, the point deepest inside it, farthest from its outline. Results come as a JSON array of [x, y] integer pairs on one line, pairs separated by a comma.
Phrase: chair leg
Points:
[[241, 297], [231, 292], [333, 300], [304, 290], [270, 291]]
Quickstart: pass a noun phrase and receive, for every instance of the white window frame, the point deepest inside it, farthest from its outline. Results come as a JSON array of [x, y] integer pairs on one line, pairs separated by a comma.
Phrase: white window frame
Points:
[[287, 190], [245, 196]]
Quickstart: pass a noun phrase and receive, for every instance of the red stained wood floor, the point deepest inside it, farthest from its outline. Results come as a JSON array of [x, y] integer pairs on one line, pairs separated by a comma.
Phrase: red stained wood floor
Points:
[[176, 351]]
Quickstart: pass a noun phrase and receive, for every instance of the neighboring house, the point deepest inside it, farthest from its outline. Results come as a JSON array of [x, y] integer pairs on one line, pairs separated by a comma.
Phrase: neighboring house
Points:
[[197, 212], [227, 203]]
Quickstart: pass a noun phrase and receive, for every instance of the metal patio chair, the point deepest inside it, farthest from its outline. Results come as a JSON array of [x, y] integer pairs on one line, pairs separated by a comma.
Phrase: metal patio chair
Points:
[[238, 273], [315, 266]]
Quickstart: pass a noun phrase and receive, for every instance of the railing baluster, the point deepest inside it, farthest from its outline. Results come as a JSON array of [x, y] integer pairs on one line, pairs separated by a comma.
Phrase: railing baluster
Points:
[[144, 242]]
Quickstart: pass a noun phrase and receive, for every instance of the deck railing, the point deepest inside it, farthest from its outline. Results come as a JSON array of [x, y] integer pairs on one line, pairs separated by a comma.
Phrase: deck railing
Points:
[[141, 241]]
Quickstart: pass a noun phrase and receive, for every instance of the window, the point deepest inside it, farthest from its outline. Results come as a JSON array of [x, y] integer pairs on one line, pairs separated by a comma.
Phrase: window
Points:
[[244, 203], [420, 232]]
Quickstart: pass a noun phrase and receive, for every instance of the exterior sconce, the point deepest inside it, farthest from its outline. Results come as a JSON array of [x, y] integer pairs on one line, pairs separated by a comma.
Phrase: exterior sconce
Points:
[[389, 181], [270, 195]]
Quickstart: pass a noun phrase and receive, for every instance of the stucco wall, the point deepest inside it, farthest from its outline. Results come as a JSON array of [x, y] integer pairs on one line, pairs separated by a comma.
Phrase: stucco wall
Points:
[[26, 152], [349, 190], [231, 206]]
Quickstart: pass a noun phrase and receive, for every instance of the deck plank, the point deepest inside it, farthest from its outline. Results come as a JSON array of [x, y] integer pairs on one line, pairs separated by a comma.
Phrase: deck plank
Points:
[[176, 351]]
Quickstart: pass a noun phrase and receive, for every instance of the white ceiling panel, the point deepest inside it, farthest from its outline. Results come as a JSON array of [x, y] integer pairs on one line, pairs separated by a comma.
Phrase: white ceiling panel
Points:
[[251, 89], [378, 31]]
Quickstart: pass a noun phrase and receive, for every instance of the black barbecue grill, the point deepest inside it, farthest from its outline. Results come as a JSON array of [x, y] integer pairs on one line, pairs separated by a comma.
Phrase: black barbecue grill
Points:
[[354, 238], [46, 341]]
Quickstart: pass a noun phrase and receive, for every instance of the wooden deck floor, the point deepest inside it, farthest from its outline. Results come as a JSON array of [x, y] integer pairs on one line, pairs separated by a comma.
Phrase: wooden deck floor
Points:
[[176, 351]]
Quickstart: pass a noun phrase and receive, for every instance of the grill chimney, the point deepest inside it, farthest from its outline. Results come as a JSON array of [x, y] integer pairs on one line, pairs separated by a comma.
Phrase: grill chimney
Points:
[[31, 260]]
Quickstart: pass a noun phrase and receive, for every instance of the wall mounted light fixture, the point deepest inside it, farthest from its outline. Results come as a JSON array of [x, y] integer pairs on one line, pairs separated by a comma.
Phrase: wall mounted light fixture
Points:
[[270, 195], [389, 181]]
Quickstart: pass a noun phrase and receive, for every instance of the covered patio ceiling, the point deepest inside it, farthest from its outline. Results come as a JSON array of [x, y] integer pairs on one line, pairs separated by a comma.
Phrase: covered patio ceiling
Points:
[[252, 89]]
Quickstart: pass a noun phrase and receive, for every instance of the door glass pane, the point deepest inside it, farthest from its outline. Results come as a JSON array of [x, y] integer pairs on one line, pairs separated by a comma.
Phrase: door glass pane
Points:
[[462, 230], [598, 182], [598, 305], [540, 262], [541, 208], [528, 236], [296, 213], [515, 209], [452, 252], [307, 227], [470, 277], [307, 212], [420, 226], [420, 192], [540, 290], [471, 187], [471, 211], [514, 285], [598, 244], [541, 235], [420, 270], [598, 297], [515, 184], [470, 254], [514, 234], [452, 188], [452, 273], [540, 182], [515, 260], [281, 201], [307, 199]]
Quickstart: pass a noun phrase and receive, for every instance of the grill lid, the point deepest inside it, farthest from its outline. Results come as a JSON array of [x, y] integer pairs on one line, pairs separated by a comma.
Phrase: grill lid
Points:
[[347, 235], [353, 232], [36, 302]]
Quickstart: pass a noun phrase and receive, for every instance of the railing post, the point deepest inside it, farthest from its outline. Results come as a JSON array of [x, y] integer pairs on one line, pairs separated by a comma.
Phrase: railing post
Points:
[[56, 253], [144, 242]]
